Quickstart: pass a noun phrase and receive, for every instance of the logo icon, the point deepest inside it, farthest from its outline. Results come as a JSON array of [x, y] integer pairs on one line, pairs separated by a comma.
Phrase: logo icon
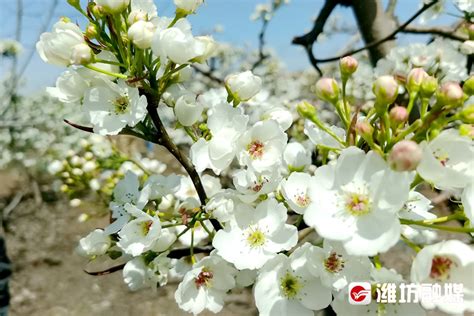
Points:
[[360, 293]]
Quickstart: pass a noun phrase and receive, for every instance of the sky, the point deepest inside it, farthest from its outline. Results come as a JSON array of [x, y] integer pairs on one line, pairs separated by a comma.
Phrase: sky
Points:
[[233, 16]]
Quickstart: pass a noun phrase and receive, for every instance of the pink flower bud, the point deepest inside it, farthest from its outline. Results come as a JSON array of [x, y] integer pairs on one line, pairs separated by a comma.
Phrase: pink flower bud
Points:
[[385, 89], [327, 90], [398, 114], [450, 93], [364, 128], [415, 79], [405, 156], [348, 65]]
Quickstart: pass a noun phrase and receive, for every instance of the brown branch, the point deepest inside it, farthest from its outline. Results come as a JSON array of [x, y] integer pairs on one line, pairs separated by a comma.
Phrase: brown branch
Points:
[[391, 36], [208, 74], [163, 139], [174, 254], [261, 45], [310, 38], [307, 40], [440, 31]]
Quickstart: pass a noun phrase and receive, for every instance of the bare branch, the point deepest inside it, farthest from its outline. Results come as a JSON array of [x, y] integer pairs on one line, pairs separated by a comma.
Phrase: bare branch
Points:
[[307, 40], [208, 74], [261, 45], [391, 36], [434, 30]]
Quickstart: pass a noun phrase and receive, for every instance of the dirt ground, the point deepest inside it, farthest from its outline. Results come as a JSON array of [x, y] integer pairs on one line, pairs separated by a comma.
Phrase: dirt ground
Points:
[[48, 278]]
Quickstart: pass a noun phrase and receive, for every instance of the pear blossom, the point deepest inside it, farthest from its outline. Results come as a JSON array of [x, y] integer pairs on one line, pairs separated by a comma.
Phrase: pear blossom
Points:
[[335, 267], [205, 285], [357, 202], [142, 10], [137, 274], [449, 261], [227, 124], [187, 6], [296, 189], [253, 184], [95, 244], [139, 235], [70, 87], [467, 199], [243, 86], [141, 34], [296, 157], [417, 208], [177, 43], [253, 237], [223, 205], [57, 47], [113, 6], [159, 186], [262, 146], [111, 107], [126, 191], [188, 110], [320, 138], [284, 286], [447, 160]]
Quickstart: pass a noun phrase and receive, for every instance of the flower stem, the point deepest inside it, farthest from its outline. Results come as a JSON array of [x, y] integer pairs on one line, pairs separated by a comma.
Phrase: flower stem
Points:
[[113, 74], [411, 244], [438, 227]]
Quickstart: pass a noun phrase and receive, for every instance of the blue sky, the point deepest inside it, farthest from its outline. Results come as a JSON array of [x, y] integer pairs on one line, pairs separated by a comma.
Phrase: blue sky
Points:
[[233, 15]]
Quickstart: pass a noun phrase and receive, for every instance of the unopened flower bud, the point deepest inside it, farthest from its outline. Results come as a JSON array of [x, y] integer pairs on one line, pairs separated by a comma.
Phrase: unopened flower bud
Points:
[[467, 48], [243, 86], [467, 130], [74, 3], [113, 6], [398, 114], [364, 128], [415, 79], [468, 86], [385, 89], [327, 90], [348, 65], [188, 110], [187, 6], [91, 31], [405, 156], [450, 93], [210, 48], [428, 86], [467, 114], [137, 15], [81, 54], [306, 110], [141, 34]]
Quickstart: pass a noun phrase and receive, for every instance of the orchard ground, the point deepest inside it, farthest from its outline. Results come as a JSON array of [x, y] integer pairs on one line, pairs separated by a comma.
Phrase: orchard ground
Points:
[[49, 278]]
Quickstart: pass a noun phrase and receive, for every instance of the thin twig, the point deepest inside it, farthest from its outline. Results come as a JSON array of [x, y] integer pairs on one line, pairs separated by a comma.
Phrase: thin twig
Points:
[[208, 74], [434, 30], [389, 37], [261, 45], [308, 40], [163, 139]]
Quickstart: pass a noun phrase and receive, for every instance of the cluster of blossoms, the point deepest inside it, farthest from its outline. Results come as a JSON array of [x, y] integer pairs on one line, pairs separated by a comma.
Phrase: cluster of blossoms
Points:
[[295, 207]]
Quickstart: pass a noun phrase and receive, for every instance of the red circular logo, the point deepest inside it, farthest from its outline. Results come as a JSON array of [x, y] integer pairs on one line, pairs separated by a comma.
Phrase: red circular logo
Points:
[[358, 293]]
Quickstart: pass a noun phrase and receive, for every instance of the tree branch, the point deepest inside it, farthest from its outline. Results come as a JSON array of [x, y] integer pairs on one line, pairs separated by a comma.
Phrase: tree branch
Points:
[[162, 138], [387, 38], [261, 45], [440, 31], [307, 40], [208, 74]]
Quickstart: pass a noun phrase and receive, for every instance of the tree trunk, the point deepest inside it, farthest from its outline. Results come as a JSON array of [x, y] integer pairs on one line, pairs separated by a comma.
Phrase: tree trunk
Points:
[[374, 24]]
